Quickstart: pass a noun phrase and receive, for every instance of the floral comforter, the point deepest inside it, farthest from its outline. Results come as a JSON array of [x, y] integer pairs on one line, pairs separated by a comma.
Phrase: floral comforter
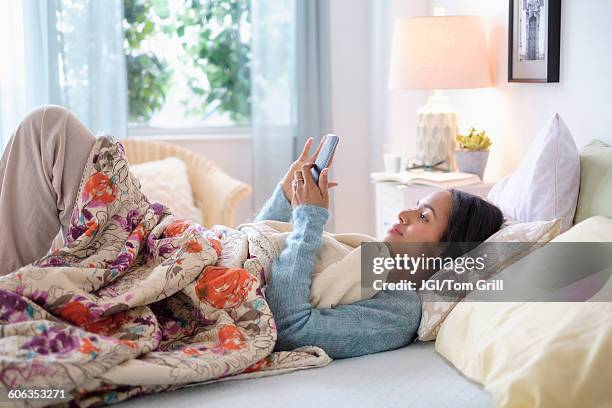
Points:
[[136, 302]]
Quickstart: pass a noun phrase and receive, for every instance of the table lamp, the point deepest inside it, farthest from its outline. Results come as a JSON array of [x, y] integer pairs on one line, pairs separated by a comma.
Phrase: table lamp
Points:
[[438, 52]]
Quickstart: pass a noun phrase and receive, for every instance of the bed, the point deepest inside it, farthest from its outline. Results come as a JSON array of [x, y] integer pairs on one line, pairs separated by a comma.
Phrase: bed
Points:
[[413, 376], [420, 376]]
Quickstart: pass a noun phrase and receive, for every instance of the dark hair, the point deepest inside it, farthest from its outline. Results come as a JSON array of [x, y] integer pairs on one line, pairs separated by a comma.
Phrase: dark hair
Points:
[[472, 220]]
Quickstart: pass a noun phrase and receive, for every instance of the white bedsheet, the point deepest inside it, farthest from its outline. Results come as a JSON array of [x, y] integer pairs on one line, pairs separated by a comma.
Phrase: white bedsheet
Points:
[[414, 376]]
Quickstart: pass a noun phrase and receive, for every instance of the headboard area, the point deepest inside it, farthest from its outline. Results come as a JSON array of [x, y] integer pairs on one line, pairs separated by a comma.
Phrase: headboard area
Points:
[[595, 196]]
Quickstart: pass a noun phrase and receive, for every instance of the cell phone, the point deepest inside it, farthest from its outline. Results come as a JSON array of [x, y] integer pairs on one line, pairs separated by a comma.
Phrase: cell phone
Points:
[[324, 156]]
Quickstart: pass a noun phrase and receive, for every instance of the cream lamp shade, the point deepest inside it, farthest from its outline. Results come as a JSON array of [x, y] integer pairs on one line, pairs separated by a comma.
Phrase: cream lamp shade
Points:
[[448, 52], [440, 52]]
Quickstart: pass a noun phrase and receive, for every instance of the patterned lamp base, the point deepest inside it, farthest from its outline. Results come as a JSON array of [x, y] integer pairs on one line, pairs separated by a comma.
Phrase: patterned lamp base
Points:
[[436, 131]]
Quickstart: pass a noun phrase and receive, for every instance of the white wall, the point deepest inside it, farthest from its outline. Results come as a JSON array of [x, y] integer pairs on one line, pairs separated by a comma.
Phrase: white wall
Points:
[[352, 209], [388, 110], [512, 113]]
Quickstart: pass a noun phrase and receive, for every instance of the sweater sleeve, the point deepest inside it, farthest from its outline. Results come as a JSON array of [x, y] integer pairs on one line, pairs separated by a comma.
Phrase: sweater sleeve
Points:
[[387, 321], [277, 208]]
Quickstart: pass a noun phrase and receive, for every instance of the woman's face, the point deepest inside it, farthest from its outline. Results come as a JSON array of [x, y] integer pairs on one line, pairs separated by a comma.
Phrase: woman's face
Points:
[[424, 223]]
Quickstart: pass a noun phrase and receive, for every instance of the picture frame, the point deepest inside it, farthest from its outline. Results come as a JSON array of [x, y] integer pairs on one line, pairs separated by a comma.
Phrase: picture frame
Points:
[[534, 40]]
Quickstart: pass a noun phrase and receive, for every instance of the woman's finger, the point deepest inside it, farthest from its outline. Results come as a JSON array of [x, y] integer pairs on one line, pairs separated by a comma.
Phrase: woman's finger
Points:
[[295, 187], [331, 184], [307, 175], [324, 182], [306, 149], [298, 185], [294, 195], [297, 175]]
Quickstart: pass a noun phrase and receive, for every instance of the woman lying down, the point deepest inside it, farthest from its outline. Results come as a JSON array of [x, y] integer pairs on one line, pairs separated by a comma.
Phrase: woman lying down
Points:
[[312, 276]]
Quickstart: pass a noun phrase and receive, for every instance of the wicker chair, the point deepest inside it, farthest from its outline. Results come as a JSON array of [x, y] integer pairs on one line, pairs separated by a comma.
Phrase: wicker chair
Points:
[[214, 192]]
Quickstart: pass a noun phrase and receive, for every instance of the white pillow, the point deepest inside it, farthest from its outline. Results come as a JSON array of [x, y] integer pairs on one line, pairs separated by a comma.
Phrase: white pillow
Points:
[[435, 309], [545, 185], [167, 182]]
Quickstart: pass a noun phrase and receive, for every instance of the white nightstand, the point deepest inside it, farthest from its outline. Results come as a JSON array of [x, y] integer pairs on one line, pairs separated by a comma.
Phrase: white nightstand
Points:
[[392, 197]]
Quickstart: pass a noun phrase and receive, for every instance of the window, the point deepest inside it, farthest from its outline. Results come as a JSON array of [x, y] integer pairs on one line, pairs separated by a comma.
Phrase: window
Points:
[[188, 63]]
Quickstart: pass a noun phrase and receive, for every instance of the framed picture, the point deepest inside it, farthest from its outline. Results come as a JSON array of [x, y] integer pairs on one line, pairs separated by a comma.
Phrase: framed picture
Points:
[[534, 37]]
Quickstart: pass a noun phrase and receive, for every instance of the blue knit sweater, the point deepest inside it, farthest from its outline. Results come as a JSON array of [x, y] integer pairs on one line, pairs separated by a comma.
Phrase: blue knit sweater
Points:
[[387, 321]]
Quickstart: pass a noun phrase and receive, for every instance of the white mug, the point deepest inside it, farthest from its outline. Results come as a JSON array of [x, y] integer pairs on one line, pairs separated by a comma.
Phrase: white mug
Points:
[[393, 162]]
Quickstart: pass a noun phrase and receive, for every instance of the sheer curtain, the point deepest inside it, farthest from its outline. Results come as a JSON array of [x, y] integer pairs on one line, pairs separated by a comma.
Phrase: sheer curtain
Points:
[[63, 52], [313, 71], [290, 85]]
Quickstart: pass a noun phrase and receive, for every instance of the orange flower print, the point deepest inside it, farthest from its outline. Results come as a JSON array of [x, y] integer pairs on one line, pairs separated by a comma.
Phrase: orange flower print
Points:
[[139, 232], [231, 338], [264, 362], [76, 313], [107, 326], [99, 190], [194, 247], [87, 347], [216, 244], [177, 227], [129, 343], [224, 287], [191, 351], [92, 226]]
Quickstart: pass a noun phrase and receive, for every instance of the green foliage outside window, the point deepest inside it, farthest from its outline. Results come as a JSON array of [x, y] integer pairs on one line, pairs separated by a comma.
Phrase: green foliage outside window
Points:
[[214, 36], [148, 76]]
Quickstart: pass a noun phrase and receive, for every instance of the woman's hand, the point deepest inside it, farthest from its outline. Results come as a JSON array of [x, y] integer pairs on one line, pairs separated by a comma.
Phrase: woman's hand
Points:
[[297, 165], [306, 191]]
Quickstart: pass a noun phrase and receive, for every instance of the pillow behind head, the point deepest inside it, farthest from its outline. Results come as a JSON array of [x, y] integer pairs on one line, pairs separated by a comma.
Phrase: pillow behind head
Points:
[[545, 185], [435, 307]]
